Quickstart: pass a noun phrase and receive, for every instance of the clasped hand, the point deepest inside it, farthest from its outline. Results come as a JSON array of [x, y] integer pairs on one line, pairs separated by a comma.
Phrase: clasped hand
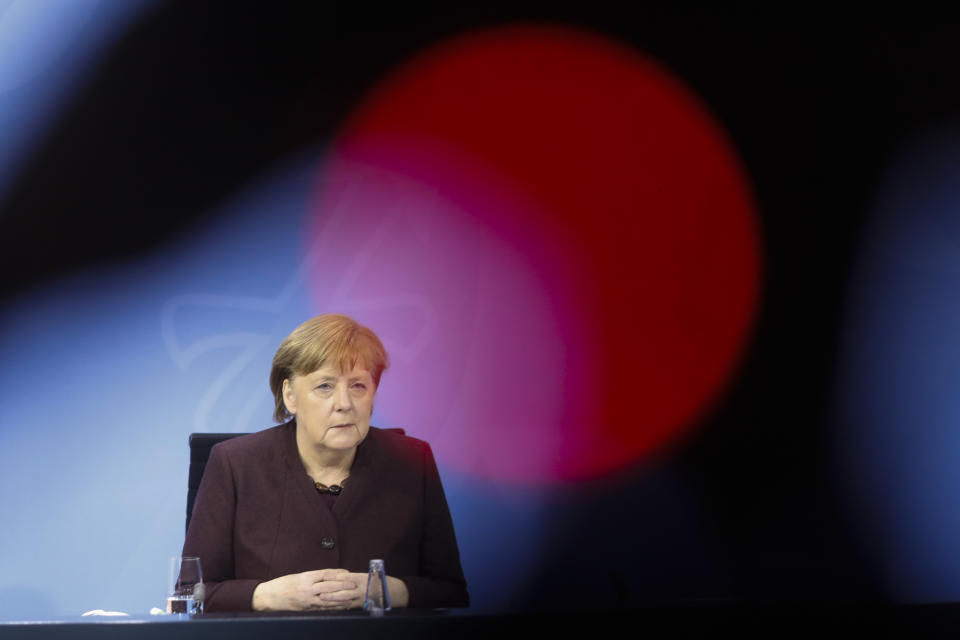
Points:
[[324, 589]]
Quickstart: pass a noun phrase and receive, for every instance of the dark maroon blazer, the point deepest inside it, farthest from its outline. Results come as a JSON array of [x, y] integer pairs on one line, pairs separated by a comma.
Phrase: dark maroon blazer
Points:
[[258, 516]]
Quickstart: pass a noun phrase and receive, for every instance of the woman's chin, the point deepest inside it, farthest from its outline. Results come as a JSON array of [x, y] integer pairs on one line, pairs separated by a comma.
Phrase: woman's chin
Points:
[[342, 437]]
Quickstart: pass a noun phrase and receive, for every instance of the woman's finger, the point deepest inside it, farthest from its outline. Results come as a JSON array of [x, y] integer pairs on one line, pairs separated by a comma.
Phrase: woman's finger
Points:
[[330, 586], [342, 596]]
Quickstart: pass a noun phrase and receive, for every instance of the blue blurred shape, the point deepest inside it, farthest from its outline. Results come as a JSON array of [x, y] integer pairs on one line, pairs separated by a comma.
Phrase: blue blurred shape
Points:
[[106, 373], [47, 48], [898, 388]]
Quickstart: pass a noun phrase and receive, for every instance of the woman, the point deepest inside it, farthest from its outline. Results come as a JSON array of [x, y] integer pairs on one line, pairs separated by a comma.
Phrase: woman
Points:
[[289, 518]]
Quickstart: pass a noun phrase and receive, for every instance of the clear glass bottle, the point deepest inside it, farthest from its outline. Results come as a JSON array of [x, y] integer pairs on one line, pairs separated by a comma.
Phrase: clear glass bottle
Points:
[[378, 596]]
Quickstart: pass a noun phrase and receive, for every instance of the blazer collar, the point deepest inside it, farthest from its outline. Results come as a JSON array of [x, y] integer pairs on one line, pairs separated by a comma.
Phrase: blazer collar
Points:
[[355, 485]]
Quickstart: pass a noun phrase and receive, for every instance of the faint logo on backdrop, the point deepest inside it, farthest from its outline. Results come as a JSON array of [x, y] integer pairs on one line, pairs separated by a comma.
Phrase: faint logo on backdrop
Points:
[[182, 315]]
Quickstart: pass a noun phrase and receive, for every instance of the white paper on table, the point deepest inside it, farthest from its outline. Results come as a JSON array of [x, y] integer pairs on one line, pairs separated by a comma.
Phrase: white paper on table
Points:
[[101, 612]]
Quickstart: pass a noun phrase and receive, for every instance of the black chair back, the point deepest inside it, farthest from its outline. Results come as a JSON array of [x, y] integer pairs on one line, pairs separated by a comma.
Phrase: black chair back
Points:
[[200, 445]]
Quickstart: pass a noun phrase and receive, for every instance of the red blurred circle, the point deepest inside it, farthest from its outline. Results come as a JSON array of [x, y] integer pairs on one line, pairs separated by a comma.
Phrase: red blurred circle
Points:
[[623, 194]]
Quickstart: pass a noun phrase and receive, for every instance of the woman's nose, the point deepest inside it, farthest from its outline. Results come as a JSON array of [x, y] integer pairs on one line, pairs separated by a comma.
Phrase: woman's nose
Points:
[[341, 398]]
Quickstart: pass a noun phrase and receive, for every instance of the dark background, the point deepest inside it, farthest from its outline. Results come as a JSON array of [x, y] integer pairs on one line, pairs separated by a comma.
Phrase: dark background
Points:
[[198, 99]]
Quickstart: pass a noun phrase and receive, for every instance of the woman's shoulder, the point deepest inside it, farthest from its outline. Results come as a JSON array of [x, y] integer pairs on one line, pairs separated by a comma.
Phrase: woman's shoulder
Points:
[[395, 437], [395, 445]]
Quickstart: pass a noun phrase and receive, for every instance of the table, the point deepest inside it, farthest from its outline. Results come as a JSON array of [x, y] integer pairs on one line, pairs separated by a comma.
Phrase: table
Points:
[[779, 620]]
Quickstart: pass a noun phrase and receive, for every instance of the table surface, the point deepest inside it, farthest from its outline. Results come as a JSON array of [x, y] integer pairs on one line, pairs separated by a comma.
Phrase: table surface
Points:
[[699, 620]]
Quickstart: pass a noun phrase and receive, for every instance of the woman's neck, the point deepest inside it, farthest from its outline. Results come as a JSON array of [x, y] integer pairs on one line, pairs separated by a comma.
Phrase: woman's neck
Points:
[[329, 466]]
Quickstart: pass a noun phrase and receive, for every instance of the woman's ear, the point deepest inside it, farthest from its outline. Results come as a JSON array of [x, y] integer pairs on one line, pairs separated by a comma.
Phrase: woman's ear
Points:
[[289, 398]]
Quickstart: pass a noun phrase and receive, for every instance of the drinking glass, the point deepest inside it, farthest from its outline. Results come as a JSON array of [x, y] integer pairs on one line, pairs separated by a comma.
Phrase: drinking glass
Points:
[[185, 592], [378, 596]]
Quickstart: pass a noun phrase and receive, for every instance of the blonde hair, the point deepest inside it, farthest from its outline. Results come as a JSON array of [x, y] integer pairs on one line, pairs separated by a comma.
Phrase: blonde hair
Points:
[[328, 339]]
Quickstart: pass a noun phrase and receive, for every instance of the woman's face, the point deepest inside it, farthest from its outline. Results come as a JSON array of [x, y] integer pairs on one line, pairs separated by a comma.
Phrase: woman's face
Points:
[[332, 408]]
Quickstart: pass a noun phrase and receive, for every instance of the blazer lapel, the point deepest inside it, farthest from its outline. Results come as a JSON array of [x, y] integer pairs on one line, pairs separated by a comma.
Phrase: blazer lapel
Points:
[[359, 478], [304, 487]]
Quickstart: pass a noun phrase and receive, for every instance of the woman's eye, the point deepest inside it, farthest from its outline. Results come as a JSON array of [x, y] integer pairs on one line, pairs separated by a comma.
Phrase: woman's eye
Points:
[[326, 386], [359, 385]]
